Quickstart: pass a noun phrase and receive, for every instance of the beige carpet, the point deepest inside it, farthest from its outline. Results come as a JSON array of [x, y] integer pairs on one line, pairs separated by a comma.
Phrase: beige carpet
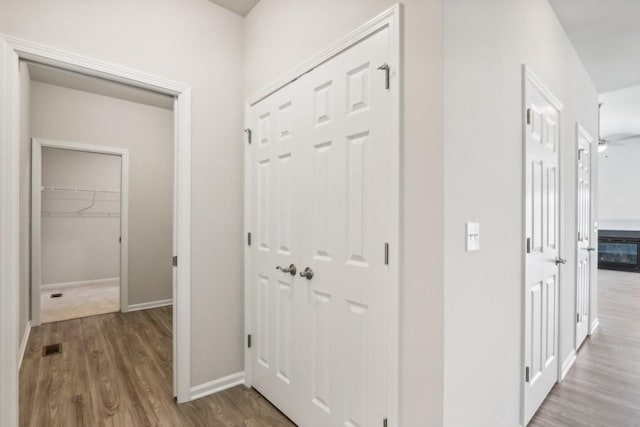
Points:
[[80, 301]]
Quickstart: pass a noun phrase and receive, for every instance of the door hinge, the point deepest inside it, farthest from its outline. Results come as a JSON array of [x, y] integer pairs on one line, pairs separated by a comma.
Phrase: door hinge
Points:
[[386, 254], [526, 374], [384, 423], [579, 235], [175, 261], [249, 340], [249, 239], [120, 239], [248, 132], [528, 245], [385, 67], [577, 317], [528, 116]]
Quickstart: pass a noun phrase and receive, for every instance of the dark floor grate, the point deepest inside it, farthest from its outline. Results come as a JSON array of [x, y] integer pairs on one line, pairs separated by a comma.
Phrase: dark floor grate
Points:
[[51, 349], [58, 295]]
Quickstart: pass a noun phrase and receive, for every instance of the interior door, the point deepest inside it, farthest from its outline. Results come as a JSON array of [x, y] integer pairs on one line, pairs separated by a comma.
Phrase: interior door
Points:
[[542, 245], [276, 215], [347, 226], [583, 276], [321, 200]]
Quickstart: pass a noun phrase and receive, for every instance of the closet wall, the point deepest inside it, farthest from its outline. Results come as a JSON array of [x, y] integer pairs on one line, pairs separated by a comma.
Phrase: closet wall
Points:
[[70, 115], [80, 247]]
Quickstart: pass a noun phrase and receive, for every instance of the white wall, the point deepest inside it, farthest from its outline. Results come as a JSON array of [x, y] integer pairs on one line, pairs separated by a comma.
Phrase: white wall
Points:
[[619, 204], [280, 34], [198, 43], [80, 248], [25, 199], [147, 132], [486, 44]]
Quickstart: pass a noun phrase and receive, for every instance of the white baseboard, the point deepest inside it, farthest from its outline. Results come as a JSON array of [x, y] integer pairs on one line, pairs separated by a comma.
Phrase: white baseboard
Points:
[[216, 386], [23, 343], [151, 304], [63, 285], [568, 363], [594, 326]]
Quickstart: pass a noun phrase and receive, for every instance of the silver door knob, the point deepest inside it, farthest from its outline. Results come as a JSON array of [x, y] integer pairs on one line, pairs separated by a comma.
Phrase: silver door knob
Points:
[[307, 273], [291, 269], [560, 261]]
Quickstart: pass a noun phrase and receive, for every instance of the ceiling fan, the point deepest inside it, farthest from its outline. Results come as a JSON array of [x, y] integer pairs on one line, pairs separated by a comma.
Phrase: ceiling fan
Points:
[[617, 139]]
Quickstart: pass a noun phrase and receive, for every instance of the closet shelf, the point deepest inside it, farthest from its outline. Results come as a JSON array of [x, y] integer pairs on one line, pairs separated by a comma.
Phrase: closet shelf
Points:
[[76, 190], [93, 196], [81, 214]]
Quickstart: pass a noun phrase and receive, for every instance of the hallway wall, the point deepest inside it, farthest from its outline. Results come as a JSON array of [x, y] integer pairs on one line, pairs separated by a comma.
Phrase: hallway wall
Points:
[[186, 41], [486, 44]]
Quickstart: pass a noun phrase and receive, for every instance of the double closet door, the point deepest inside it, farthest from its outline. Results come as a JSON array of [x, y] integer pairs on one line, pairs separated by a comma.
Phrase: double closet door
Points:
[[320, 200]]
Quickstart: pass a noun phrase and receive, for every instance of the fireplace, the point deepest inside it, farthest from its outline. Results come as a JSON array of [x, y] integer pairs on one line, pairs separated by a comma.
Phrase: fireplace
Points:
[[619, 250]]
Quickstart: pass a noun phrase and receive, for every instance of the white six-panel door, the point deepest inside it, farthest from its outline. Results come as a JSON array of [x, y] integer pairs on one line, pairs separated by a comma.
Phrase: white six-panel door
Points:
[[583, 273], [321, 199], [542, 145]]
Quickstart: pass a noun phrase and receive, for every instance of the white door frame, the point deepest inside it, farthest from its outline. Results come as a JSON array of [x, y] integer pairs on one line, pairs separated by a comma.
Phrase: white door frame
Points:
[[37, 145], [11, 51], [391, 19], [528, 76]]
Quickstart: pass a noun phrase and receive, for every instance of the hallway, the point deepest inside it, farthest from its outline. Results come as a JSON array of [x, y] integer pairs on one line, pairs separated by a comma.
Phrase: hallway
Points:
[[603, 388]]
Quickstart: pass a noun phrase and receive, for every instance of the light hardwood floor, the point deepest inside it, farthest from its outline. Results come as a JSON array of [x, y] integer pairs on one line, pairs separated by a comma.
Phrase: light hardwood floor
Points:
[[603, 388], [115, 370]]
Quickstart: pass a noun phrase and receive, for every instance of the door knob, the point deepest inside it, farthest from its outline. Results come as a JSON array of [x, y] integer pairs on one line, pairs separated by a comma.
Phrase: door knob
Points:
[[291, 269], [307, 273], [560, 261], [590, 249]]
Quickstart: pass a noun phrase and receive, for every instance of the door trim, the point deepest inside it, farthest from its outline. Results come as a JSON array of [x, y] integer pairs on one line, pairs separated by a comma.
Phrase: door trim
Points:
[[391, 19], [37, 144], [528, 76], [11, 51]]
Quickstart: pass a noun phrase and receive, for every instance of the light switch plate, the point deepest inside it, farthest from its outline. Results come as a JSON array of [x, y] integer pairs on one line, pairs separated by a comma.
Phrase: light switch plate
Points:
[[473, 236]]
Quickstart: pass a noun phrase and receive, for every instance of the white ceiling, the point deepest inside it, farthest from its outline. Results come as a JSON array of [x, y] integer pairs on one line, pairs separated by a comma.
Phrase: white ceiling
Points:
[[77, 81], [241, 7], [606, 34]]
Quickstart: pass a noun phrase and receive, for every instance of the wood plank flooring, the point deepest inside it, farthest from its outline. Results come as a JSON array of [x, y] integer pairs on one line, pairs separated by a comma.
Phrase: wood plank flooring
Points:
[[603, 388], [115, 370]]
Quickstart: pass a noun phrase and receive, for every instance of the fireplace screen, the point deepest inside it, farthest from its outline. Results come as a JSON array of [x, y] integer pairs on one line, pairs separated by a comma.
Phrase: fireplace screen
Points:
[[619, 253], [618, 250]]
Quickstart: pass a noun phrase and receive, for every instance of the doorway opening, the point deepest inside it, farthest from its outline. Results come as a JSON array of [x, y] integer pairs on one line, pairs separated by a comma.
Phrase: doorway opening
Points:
[[79, 231], [13, 315]]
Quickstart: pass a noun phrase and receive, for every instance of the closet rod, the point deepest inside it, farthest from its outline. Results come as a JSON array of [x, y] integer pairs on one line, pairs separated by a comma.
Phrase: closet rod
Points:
[[87, 190]]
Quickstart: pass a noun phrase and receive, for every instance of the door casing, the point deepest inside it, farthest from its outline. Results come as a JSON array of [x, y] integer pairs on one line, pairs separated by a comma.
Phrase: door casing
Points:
[[12, 50], [391, 18], [528, 76]]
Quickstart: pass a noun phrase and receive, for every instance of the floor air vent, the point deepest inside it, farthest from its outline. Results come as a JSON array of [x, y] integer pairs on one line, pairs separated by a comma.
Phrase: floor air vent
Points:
[[51, 349], [58, 295]]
